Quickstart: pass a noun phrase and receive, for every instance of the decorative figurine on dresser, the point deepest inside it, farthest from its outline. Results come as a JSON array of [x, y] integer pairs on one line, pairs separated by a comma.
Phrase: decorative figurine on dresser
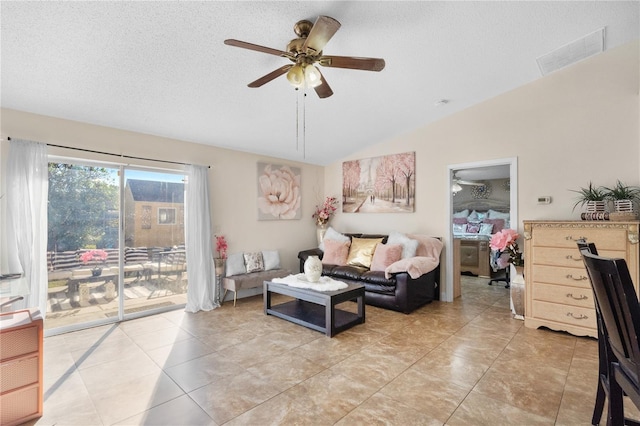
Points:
[[557, 290]]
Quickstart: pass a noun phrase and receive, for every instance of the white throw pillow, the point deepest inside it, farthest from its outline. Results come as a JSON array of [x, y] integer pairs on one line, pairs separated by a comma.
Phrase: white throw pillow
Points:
[[463, 213], [235, 264], [271, 259], [332, 234], [409, 246], [486, 228], [498, 215], [254, 262]]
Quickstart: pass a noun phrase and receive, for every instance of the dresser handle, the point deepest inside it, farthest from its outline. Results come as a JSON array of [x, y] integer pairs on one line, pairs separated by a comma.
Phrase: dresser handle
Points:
[[570, 257], [582, 296], [570, 238], [581, 317], [580, 278]]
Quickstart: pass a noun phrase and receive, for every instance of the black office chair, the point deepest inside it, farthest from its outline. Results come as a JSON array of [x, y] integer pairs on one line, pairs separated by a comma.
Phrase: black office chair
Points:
[[618, 307], [494, 265]]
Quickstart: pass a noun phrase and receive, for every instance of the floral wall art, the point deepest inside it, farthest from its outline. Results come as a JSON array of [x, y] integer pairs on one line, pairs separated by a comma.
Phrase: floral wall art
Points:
[[380, 184], [279, 192]]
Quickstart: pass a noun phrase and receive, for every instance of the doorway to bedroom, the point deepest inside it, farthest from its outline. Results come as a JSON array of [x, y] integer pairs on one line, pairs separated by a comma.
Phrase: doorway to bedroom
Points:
[[483, 200]]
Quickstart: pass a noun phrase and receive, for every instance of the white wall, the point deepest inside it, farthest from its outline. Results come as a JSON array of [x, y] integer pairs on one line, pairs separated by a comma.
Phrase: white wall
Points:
[[577, 125], [232, 178]]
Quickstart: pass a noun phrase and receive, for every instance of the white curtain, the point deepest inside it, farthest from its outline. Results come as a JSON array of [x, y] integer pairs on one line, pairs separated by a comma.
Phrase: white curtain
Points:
[[201, 292], [26, 233]]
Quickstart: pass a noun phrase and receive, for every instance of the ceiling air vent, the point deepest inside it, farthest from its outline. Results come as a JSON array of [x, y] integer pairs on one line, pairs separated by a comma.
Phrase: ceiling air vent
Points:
[[570, 53]]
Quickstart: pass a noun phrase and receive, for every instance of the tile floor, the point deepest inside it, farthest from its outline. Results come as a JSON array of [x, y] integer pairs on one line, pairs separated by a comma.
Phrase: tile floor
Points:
[[462, 363]]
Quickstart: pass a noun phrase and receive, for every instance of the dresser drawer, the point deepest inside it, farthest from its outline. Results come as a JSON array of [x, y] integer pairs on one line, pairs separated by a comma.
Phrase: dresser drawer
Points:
[[605, 238], [20, 405], [19, 372], [567, 314], [564, 295], [18, 342], [567, 257], [576, 277]]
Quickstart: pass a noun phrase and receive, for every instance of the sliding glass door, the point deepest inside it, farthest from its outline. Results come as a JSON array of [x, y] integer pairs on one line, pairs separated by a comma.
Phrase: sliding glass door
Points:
[[155, 260], [115, 244]]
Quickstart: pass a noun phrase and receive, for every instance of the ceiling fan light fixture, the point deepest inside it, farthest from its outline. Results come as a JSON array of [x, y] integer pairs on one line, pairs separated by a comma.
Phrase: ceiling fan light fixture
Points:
[[312, 76], [455, 188], [296, 76]]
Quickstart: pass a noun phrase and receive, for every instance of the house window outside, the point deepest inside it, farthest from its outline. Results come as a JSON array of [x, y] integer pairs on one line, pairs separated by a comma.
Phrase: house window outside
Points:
[[166, 216]]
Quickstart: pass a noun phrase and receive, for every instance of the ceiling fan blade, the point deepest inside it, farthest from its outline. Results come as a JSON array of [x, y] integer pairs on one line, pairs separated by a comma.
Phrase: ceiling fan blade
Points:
[[320, 34], [468, 182], [272, 75], [257, 48], [352, 62], [323, 90]]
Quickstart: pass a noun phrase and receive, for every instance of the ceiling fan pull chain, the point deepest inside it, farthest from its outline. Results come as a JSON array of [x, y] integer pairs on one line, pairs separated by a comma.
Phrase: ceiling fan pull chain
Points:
[[297, 120], [304, 124]]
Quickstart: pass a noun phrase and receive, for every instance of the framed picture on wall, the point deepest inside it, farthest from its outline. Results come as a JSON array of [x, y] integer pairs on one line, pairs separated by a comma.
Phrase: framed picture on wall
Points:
[[279, 192], [380, 184]]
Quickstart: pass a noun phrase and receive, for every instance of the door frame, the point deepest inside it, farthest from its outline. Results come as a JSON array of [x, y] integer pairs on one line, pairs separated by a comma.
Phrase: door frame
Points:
[[446, 293]]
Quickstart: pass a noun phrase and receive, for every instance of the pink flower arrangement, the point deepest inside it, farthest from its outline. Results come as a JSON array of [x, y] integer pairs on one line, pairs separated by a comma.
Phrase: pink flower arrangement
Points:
[[505, 243], [94, 255], [324, 213], [221, 246]]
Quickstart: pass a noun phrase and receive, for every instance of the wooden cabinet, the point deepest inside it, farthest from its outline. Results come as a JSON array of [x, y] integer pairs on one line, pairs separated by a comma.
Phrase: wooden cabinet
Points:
[[474, 257], [20, 366], [558, 293], [470, 255]]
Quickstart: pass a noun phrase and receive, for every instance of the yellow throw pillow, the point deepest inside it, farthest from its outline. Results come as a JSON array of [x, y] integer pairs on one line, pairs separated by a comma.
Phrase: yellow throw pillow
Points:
[[361, 251]]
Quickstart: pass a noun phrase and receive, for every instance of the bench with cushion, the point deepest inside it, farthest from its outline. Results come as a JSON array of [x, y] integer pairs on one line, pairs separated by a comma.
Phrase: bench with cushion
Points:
[[251, 270]]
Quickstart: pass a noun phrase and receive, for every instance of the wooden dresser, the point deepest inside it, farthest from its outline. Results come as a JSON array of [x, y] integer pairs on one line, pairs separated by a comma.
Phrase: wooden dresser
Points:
[[21, 386], [558, 293]]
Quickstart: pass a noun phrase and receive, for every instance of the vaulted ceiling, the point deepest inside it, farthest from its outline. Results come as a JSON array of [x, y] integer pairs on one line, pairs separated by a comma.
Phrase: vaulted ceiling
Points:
[[161, 68]]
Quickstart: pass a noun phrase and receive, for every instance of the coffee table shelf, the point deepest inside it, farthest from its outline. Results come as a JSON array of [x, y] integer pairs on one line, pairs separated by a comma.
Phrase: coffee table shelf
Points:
[[314, 309]]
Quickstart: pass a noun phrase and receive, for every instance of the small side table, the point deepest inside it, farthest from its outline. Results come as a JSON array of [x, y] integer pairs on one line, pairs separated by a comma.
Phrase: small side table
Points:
[[220, 269]]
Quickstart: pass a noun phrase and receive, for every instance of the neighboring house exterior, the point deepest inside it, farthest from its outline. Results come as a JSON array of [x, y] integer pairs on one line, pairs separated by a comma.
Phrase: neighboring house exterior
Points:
[[154, 213]]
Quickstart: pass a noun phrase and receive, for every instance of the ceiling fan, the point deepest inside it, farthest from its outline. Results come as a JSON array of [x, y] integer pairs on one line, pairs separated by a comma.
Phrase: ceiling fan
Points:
[[466, 182], [457, 182], [305, 52]]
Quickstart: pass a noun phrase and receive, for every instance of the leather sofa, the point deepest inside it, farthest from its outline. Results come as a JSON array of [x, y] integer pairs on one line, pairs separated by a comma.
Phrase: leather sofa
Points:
[[399, 292]]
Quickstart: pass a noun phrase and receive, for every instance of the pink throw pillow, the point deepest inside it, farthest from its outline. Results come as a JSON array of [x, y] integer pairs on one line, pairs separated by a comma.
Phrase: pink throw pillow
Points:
[[385, 255], [460, 220], [473, 228], [498, 224], [335, 252]]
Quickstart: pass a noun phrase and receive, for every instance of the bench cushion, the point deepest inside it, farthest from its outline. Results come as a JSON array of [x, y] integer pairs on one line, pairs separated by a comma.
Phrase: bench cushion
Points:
[[252, 280]]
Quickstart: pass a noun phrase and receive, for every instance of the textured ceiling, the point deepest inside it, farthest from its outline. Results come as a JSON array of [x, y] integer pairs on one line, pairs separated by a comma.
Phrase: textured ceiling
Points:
[[161, 67]]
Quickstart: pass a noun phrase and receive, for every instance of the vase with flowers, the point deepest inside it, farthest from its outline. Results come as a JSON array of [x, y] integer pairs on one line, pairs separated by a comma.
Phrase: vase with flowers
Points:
[[97, 258], [508, 256], [221, 249], [219, 262], [505, 244], [323, 214]]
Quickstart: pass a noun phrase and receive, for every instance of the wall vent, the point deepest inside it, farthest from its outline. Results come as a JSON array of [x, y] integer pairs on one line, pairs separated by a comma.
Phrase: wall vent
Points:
[[573, 52]]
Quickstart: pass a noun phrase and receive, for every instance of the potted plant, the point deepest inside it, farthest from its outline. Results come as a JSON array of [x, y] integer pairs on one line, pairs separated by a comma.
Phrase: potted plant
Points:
[[323, 214], [623, 197], [221, 248], [97, 258], [593, 197]]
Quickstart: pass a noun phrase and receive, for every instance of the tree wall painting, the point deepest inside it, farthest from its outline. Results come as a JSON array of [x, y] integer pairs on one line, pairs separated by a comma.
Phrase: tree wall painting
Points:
[[379, 185]]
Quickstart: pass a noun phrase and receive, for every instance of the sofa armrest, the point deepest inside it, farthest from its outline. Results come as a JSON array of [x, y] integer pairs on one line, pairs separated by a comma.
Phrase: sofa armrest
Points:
[[303, 255], [414, 266]]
